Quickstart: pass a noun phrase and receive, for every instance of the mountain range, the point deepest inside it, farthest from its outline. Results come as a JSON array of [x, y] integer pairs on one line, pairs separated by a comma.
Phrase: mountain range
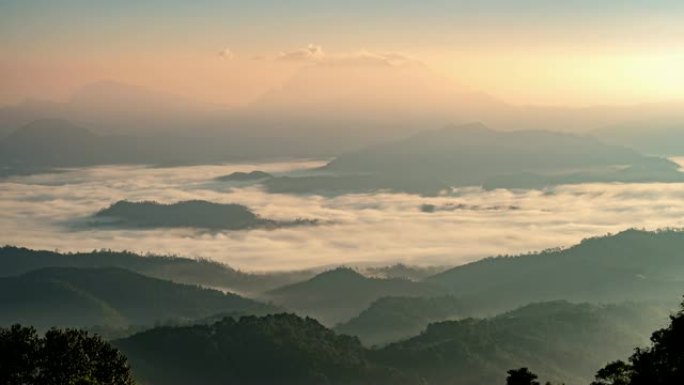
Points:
[[110, 299], [464, 325], [16, 261], [337, 295], [323, 110], [431, 162], [287, 349]]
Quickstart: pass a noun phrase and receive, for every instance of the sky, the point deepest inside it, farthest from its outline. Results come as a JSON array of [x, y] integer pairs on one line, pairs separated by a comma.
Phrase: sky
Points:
[[572, 52]]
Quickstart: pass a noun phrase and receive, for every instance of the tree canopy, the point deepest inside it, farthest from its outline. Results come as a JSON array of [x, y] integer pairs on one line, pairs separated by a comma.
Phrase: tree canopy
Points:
[[660, 364], [521, 376], [60, 357]]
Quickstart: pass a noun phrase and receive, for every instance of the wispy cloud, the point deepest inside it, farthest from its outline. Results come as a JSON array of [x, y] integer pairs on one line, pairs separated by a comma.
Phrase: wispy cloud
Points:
[[367, 57], [310, 53], [226, 53], [315, 54]]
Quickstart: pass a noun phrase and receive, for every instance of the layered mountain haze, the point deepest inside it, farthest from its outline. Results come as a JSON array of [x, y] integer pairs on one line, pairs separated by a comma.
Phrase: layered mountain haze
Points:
[[110, 299], [282, 348], [390, 319], [17, 261], [631, 265], [371, 99], [656, 136], [324, 109], [470, 351], [433, 161], [111, 107], [550, 336], [57, 143], [351, 192], [323, 298]]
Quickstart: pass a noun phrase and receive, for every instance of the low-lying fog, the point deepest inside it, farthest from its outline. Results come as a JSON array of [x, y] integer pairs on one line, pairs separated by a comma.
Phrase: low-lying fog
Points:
[[39, 212]]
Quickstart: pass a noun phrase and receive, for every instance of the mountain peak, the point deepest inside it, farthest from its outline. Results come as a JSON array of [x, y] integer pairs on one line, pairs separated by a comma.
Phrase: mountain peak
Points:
[[340, 273], [53, 128]]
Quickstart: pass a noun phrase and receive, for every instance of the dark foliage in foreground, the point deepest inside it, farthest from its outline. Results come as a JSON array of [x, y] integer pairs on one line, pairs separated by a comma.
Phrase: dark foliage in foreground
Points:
[[521, 376], [61, 357], [660, 364]]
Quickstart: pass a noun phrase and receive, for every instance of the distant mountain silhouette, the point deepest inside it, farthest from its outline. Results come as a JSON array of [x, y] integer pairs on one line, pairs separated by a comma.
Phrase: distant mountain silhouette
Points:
[[288, 120], [391, 319], [339, 294], [109, 298], [16, 261], [655, 136], [54, 143], [196, 214], [245, 176], [115, 108], [473, 155]]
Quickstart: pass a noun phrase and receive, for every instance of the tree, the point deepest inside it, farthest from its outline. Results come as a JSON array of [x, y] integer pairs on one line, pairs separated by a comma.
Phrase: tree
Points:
[[521, 376], [660, 364], [663, 362], [615, 373], [61, 357]]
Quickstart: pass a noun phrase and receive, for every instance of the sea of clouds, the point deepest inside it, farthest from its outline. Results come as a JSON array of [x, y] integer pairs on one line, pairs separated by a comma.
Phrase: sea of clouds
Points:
[[41, 211]]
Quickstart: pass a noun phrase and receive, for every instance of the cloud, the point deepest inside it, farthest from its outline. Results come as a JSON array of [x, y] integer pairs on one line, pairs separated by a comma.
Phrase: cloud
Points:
[[227, 54], [365, 228], [311, 53], [370, 58], [315, 54]]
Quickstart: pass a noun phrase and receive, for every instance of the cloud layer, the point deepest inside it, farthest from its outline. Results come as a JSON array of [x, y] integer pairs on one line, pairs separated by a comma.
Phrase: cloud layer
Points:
[[360, 229]]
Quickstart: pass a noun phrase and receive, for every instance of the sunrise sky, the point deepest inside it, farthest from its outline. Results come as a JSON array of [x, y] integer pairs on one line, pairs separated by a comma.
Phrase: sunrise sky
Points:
[[577, 52]]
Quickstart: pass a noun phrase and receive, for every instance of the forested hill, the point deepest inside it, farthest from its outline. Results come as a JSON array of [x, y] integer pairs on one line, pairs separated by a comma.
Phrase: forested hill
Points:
[[567, 342], [17, 260], [276, 349], [337, 295], [634, 264], [110, 298], [192, 214]]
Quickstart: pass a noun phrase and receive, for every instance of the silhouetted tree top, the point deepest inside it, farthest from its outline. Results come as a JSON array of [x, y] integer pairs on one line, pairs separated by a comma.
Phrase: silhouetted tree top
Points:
[[521, 376], [615, 373], [61, 357], [660, 364]]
